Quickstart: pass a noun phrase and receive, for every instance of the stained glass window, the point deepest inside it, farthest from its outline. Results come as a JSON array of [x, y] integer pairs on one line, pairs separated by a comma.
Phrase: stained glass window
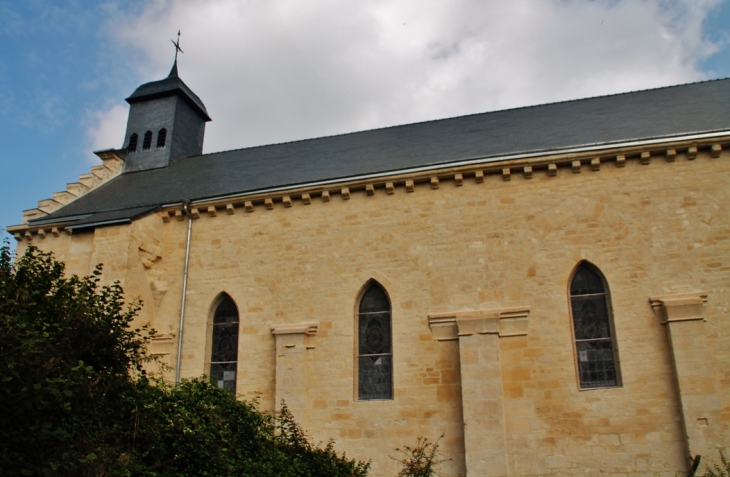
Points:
[[595, 344], [375, 356], [224, 345]]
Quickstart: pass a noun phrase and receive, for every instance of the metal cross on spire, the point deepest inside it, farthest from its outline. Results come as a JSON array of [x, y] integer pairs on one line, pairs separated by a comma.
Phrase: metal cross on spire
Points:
[[177, 45]]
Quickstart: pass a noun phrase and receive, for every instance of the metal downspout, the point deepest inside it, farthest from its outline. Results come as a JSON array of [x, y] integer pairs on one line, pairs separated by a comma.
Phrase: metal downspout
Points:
[[186, 203]]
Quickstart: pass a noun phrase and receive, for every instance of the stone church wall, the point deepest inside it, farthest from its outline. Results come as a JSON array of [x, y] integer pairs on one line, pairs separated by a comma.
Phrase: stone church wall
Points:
[[473, 249]]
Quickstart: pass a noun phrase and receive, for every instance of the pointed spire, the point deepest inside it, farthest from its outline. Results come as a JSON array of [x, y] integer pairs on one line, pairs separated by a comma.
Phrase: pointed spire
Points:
[[173, 71]]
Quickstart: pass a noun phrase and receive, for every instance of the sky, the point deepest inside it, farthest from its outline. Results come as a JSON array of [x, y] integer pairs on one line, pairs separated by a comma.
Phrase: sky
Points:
[[272, 71]]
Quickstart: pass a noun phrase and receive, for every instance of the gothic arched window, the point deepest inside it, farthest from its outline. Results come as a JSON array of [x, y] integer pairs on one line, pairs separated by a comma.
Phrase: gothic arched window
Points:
[[147, 142], [224, 345], [374, 345], [132, 147], [595, 343], [161, 137]]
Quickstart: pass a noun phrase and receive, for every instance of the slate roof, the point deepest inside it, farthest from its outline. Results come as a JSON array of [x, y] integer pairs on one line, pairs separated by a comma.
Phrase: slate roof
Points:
[[652, 114], [172, 85]]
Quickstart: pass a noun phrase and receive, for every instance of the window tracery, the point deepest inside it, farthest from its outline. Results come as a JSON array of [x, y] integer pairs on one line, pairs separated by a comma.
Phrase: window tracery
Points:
[[374, 345], [595, 343], [224, 345]]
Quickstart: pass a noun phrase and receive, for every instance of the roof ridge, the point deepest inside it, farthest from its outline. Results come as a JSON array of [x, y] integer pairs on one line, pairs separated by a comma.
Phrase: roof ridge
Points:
[[518, 108]]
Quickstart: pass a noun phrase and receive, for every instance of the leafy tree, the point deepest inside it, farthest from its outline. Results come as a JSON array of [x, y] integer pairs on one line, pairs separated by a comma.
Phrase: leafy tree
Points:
[[77, 401], [66, 354]]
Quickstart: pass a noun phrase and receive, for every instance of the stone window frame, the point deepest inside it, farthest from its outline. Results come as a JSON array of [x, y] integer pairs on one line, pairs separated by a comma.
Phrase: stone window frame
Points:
[[583, 385], [209, 363], [358, 394]]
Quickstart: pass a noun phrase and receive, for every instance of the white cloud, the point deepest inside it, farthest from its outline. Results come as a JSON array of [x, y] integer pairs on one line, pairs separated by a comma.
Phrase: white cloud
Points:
[[106, 130], [271, 71]]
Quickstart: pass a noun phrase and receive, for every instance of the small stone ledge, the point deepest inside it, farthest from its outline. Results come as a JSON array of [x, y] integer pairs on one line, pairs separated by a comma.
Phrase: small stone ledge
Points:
[[63, 197], [30, 214], [49, 205], [111, 167], [501, 321], [679, 307], [161, 344], [308, 328]]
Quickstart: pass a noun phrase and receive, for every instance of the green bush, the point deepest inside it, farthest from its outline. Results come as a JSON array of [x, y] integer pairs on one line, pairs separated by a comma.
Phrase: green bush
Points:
[[421, 460], [77, 401]]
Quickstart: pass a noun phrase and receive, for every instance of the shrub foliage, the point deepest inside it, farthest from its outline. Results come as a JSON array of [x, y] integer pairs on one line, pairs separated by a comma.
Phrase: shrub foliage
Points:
[[422, 460], [77, 401]]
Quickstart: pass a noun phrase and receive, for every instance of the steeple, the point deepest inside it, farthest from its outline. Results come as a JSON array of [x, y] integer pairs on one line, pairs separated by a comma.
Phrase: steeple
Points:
[[173, 71], [166, 122]]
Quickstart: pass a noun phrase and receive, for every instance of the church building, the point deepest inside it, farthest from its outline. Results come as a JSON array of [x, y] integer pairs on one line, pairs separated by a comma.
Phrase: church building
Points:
[[547, 287]]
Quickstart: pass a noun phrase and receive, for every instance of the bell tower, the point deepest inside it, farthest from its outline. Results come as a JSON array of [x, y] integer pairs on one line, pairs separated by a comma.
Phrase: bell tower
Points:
[[166, 122]]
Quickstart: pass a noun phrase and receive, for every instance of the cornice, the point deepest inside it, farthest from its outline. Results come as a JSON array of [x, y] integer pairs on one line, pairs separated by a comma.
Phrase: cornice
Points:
[[476, 171], [524, 167]]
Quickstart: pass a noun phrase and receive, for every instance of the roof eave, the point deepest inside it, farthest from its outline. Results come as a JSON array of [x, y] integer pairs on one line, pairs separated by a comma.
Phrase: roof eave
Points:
[[468, 162]]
